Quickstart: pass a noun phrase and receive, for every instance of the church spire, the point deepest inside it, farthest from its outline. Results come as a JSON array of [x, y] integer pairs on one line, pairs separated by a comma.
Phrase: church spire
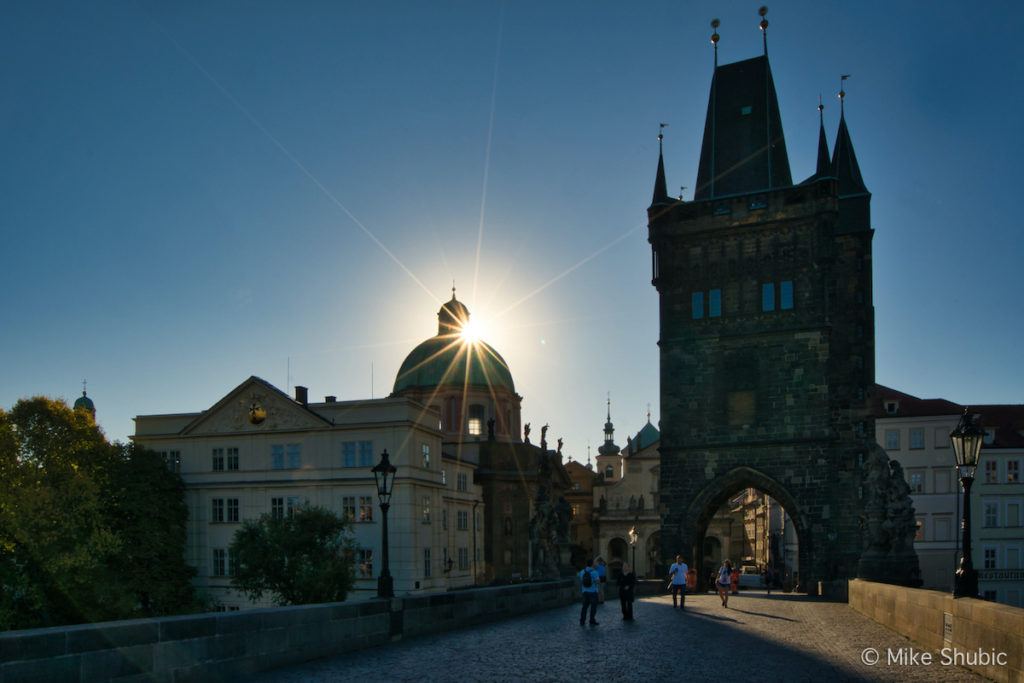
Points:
[[824, 167], [609, 447], [844, 161], [660, 186]]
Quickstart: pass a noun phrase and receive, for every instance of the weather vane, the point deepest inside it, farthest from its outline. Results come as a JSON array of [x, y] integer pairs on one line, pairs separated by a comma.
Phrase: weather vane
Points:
[[842, 92], [715, 23], [661, 131]]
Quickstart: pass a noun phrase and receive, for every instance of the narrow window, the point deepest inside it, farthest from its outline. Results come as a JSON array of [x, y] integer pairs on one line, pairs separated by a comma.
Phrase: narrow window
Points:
[[476, 420], [233, 459], [786, 295], [348, 507], [426, 454], [232, 509], [277, 508], [366, 454], [294, 456], [715, 303], [768, 297], [426, 563], [277, 456], [365, 508], [917, 437], [217, 510], [218, 460], [697, 305], [348, 454]]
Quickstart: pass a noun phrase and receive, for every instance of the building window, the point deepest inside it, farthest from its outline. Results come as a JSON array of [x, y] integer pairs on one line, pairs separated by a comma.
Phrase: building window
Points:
[[919, 533], [277, 508], [293, 504], [990, 558], [475, 425], [426, 510], [786, 295], [350, 449], [991, 514], [768, 297], [508, 526], [365, 508], [218, 460], [425, 449], [172, 459], [574, 512], [232, 567], [991, 471], [366, 454], [462, 520], [426, 563], [364, 560], [697, 305], [1012, 514], [892, 439], [444, 478], [220, 558], [916, 481], [715, 303], [464, 559], [348, 507], [941, 437], [917, 437], [348, 454], [294, 451], [1012, 558], [942, 529], [1012, 471], [942, 481], [444, 518], [277, 457], [609, 472], [217, 510], [233, 459], [232, 509], [461, 481]]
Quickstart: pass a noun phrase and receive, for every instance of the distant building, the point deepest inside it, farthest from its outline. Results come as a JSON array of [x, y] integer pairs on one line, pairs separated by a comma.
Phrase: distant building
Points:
[[580, 497]]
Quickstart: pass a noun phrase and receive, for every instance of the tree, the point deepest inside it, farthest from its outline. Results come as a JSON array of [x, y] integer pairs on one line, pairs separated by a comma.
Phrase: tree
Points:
[[75, 514], [304, 557]]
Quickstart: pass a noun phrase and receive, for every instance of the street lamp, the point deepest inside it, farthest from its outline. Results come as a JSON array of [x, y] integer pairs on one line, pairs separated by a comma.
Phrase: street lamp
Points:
[[633, 538], [384, 474], [967, 439]]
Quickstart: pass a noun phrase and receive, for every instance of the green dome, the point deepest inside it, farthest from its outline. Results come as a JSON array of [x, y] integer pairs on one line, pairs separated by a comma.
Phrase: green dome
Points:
[[443, 360], [448, 360], [83, 402]]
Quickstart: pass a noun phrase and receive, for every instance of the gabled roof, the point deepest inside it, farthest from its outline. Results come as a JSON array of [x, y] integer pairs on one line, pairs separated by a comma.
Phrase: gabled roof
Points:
[[744, 149], [911, 406], [274, 396]]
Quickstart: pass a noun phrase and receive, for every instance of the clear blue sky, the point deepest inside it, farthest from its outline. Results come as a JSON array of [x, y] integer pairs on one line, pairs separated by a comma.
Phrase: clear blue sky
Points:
[[179, 183]]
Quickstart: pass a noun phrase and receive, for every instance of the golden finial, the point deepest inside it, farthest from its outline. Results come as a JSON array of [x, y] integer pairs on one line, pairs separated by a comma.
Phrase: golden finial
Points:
[[763, 11], [715, 23], [661, 131], [842, 92]]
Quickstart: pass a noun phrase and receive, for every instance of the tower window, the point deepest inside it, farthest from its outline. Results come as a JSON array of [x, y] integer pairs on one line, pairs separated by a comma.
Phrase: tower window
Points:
[[768, 297], [786, 295], [609, 472], [715, 303], [476, 420], [746, 111], [697, 305]]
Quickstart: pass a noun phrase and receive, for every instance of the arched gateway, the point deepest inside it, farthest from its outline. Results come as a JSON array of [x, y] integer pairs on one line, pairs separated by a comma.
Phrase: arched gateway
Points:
[[767, 340]]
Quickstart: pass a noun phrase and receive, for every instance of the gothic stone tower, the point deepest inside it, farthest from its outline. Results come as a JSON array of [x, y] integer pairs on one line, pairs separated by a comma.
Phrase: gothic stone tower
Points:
[[767, 331]]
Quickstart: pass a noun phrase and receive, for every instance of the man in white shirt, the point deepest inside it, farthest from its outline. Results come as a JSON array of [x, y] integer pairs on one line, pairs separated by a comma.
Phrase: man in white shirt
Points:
[[589, 582], [677, 573]]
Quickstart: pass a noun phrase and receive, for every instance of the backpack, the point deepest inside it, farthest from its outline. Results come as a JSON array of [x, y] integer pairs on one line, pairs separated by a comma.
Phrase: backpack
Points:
[[588, 579]]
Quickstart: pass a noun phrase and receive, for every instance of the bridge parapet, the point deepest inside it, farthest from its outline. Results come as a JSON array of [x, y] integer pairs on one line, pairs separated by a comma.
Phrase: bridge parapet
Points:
[[228, 646], [942, 623]]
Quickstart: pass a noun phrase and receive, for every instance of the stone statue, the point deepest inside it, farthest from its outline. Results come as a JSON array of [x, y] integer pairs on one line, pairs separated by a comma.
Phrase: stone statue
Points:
[[888, 523], [602, 505], [559, 445], [544, 438], [526, 433]]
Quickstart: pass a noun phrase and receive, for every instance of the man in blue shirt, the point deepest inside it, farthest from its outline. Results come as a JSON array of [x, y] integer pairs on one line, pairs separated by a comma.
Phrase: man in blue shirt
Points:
[[677, 574], [589, 582]]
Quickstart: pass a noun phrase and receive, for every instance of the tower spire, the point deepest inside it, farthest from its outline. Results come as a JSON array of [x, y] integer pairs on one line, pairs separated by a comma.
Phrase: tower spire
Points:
[[660, 186], [824, 166], [844, 161], [764, 27]]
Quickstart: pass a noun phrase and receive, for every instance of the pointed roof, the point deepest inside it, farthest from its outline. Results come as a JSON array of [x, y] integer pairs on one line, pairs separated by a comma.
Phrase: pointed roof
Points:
[[844, 163], [744, 149], [660, 186]]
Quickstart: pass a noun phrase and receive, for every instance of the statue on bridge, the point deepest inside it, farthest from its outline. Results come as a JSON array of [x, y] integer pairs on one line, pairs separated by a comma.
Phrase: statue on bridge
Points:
[[888, 523]]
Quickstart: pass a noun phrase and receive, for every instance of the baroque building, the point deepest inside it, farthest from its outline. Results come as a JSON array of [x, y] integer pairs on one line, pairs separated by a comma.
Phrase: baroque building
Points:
[[767, 341]]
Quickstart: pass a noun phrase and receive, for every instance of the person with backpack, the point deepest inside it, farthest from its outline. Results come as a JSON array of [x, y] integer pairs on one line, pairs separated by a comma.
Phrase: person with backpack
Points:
[[588, 590]]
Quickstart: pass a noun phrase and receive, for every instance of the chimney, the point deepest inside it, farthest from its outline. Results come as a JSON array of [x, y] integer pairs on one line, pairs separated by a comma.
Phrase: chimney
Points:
[[302, 395], [330, 399]]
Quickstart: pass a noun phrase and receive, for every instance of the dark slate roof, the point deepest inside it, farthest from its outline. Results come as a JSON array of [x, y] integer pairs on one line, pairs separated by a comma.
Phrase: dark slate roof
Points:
[[660, 186], [743, 115], [1007, 420], [911, 406], [844, 163]]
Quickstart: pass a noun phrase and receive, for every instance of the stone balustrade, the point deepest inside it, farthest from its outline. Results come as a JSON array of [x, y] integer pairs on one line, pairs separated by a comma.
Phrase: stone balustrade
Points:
[[227, 646]]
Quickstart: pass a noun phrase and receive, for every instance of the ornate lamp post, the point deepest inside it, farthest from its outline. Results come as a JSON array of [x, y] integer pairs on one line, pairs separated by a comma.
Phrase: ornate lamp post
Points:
[[384, 474], [633, 538], [967, 439]]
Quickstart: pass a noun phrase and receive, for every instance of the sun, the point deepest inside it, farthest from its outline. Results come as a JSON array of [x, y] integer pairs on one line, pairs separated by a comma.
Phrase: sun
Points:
[[473, 331]]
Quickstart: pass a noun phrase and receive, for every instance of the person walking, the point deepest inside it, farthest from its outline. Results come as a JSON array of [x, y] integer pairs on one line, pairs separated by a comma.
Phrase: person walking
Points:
[[627, 590], [735, 580], [589, 581], [677, 576], [724, 581]]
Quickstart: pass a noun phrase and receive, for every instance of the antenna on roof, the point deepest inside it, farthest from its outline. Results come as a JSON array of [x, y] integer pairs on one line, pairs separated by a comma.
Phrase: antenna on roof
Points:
[[764, 27], [842, 93], [715, 23]]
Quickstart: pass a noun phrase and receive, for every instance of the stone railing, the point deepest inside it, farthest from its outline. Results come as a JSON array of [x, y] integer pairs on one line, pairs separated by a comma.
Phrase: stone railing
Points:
[[229, 646], [985, 637]]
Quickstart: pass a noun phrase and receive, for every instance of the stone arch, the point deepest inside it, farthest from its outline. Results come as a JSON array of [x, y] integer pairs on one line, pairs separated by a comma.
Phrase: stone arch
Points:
[[710, 498]]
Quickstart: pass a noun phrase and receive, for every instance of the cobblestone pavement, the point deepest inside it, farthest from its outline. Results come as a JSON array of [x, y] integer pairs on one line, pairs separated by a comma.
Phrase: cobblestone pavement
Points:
[[779, 637]]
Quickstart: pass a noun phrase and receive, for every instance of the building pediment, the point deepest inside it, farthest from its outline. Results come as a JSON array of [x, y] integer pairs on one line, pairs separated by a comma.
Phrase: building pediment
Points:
[[255, 406]]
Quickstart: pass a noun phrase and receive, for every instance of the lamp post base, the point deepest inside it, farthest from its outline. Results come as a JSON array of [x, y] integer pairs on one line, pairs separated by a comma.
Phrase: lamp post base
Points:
[[385, 587], [965, 583]]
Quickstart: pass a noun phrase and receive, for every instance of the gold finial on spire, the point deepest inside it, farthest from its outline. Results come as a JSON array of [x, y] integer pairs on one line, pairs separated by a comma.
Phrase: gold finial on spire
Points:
[[83, 387], [715, 23], [842, 93], [453, 288], [661, 132], [763, 11]]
